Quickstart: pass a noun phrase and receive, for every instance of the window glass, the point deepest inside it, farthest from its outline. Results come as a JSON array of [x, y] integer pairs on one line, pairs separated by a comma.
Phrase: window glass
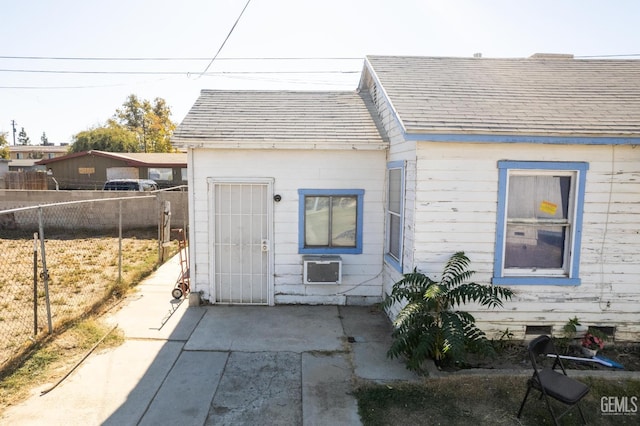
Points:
[[164, 173], [330, 221], [344, 213], [395, 186], [316, 221], [537, 222], [394, 215], [394, 233]]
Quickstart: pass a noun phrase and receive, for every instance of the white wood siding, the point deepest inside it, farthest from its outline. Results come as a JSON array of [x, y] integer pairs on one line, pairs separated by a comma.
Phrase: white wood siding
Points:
[[455, 210], [293, 170], [399, 150]]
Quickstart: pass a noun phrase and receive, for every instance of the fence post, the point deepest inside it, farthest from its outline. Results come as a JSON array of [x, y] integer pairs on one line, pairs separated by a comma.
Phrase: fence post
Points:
[[164, 229], [160, 249], [35, 284], [45, 272], [119, 241]]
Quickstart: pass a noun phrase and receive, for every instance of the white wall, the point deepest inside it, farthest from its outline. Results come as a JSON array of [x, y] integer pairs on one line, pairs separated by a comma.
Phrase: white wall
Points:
[[293, 170], [456, 201], [405, 151]]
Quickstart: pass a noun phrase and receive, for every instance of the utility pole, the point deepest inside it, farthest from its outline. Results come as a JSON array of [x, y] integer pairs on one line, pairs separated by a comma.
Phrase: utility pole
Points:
[[13, 124]]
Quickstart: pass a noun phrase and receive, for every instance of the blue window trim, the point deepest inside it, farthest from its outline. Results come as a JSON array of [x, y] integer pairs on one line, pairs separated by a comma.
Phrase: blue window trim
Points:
[[503, 171], [302, 193], [396, 264]]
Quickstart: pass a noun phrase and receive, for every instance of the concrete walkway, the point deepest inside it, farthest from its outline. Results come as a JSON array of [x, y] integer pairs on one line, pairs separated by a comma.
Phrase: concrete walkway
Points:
[[221, 365]]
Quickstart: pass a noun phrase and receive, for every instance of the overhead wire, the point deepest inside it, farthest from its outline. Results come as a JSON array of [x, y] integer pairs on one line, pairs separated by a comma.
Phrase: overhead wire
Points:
[[176, 72], [171, 73], [226, 38], [26, 71], [260, 58], [609, 56]]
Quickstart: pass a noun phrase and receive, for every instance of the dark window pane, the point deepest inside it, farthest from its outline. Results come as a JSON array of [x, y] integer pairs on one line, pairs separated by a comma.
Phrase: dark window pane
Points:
[[534, 246], [394, 236]]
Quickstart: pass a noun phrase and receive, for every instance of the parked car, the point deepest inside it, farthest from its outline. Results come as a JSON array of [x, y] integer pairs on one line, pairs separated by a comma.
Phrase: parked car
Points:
[[130, 185]]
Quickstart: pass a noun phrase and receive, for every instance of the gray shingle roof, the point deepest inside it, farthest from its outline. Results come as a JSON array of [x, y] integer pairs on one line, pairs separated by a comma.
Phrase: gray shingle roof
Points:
[[281, 119], [534, 96]]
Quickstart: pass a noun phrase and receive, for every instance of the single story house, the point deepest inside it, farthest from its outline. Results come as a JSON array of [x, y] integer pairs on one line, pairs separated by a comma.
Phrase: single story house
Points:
[[27, 165], [91, 169], [530, 166]]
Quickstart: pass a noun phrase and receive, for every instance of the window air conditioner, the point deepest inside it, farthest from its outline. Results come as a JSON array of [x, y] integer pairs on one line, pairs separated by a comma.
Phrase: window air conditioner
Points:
[[322, 269]]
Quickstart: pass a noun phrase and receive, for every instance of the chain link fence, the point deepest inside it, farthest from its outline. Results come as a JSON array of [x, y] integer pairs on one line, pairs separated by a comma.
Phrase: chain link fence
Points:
[[61, 261]]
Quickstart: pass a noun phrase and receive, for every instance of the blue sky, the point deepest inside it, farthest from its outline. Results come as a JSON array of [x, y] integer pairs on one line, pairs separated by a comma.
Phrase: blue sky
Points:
[[63, 104]]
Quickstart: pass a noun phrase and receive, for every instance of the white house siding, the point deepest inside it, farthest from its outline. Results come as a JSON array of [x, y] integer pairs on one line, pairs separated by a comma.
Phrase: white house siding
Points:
[[456, 201], [399, 150], [293, 170]]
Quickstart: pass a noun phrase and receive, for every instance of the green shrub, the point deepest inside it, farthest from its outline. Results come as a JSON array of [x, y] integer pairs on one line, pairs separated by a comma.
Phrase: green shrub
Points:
[[428, 326]]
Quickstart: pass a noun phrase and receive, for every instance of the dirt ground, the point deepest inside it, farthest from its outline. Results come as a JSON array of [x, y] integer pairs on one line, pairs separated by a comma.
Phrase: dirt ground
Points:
[[514, 356], [494, 399], [81, 272]]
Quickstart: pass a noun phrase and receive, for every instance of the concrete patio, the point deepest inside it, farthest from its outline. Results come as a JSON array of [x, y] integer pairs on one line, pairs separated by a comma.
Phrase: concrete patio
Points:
[[205, 365]]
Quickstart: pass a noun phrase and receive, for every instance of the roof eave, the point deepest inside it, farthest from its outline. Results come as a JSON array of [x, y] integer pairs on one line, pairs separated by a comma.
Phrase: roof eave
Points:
[[555, 139], [197, 143]]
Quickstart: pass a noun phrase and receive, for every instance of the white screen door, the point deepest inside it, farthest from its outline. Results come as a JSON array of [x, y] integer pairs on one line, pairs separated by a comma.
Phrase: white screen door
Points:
[[241, 247]]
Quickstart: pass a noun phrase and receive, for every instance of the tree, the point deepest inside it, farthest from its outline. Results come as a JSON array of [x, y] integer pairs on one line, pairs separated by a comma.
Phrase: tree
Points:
[[23, 139], [107, 138], [429, 326], [151, 122], [44, 139], [4, 148]]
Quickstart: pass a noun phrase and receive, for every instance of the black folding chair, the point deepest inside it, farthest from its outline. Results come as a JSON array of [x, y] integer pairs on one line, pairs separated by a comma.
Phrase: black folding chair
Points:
[[550, 382]]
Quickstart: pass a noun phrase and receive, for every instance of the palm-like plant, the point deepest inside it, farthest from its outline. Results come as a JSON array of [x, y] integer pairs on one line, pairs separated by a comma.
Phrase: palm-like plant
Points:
[[428, 326]]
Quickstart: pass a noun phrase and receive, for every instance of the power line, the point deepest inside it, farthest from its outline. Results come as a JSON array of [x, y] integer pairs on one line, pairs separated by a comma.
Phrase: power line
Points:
[[226, 38], [141, 59], [609, 56], [250, 75], [213, 73]]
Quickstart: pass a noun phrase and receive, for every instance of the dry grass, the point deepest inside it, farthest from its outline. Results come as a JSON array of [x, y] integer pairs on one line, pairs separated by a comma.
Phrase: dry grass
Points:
[[53, 358], [83, 274], [83, 282], [490, 400]]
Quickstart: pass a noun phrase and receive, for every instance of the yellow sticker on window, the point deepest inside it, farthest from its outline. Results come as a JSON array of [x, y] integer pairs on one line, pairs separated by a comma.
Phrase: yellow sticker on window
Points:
[[548, 207]]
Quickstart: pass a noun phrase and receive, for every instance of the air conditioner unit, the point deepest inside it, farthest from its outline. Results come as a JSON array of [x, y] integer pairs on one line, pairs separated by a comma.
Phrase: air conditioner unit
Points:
[[322, 269]]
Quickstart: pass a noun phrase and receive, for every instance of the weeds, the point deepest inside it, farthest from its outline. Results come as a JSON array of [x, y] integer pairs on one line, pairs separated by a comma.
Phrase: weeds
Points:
[[464, 400]]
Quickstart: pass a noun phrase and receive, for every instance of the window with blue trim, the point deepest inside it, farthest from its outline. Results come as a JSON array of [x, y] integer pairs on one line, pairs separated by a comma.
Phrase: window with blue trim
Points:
[[539, 225], [394, 212], [330, 221]]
